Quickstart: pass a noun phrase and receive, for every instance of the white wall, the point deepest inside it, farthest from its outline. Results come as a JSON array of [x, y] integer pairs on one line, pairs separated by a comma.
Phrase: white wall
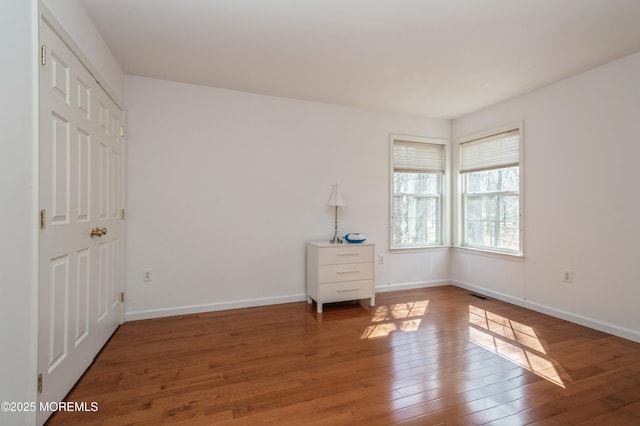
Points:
[[581, 199], [225, 188], [17, 209]]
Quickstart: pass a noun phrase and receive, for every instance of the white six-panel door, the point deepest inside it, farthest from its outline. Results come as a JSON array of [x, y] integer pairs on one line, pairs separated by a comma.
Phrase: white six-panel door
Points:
[[80, 189]]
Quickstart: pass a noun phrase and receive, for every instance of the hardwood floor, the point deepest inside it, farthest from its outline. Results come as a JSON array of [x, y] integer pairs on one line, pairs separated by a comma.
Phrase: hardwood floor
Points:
[[423, 357]]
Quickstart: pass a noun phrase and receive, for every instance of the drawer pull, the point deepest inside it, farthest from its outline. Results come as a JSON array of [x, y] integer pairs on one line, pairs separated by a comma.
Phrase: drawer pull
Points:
[[355, 271], [347, 254], [344, 290]]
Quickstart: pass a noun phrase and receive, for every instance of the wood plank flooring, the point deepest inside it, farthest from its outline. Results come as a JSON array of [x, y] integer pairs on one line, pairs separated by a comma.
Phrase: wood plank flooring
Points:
[[421, 357]]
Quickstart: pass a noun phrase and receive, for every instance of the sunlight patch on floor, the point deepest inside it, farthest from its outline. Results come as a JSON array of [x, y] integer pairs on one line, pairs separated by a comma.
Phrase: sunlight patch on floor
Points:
[[397, 317], [513, 341]]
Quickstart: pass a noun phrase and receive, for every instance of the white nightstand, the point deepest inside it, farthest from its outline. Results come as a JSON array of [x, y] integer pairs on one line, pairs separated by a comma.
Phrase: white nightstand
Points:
[[339, 272]]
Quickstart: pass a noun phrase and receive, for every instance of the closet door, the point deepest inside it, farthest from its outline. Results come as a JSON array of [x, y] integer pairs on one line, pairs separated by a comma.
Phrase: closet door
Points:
[[81, 237]]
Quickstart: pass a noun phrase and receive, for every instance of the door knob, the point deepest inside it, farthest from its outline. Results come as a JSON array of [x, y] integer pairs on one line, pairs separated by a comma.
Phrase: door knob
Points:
[[98, 232]]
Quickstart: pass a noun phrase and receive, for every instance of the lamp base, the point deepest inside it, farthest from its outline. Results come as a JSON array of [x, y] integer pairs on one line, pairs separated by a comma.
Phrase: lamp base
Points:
[[336, 239]]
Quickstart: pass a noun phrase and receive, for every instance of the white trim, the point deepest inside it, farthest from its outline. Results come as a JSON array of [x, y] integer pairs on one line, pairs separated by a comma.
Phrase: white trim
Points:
[[414, 249], [35, 200], [459, 199], [248, 303], [445, 192], [490, 293], [211, 307], [514, 257], [266, 301], [411, 285], [604, 327]]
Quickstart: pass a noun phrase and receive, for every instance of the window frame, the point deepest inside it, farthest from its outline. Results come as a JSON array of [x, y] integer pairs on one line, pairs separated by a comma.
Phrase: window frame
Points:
[[443, 231], [461, 240]]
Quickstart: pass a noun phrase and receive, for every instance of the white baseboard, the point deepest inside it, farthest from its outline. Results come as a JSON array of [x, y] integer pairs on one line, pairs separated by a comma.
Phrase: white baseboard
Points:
[[210, 307], [248, 303], [557, 313], [410, 286], [493, 294]]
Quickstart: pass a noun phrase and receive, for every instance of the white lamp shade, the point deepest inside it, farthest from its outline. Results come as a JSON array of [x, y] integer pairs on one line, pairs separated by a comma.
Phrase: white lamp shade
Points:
[[335, 199]]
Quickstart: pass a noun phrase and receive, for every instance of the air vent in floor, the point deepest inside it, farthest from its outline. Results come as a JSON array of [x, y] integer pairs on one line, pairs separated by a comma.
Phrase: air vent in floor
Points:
[[478, 296]]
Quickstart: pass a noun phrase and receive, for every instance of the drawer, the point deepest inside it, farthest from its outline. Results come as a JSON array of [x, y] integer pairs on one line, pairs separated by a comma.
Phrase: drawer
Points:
[[345, 272], [345, 254], [349, 290]]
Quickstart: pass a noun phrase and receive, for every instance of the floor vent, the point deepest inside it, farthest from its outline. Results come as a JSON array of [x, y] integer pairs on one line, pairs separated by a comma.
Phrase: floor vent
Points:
[[478, 296]]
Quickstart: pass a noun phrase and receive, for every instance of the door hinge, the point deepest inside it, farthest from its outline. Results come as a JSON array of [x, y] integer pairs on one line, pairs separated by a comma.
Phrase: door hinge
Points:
[[43, 54], [43, 219], [123, 214], [122, 296], [122, 131], [40, 383]]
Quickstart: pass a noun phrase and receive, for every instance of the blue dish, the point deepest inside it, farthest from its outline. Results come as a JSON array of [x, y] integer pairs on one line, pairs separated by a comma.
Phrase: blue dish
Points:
[[360, 238]]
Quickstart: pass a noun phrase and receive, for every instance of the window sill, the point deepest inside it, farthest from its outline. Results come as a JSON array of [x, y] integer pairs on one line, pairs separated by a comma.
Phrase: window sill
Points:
[[514, 257], [414, 249]]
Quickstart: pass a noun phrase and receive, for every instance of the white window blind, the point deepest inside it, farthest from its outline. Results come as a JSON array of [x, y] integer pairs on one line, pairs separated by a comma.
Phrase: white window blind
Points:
[[491, 152], [418, 157]]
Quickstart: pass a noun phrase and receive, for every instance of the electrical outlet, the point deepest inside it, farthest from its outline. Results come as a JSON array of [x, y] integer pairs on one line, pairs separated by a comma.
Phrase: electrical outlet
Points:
[[567, 276], [380, 260], [146, 275]]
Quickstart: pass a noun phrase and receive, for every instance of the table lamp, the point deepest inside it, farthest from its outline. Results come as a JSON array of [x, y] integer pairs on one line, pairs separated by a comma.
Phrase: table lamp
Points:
[[336, 200]]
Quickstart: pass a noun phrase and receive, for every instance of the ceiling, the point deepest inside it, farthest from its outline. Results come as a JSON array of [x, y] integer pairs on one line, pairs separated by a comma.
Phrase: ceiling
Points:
[[434, 58]]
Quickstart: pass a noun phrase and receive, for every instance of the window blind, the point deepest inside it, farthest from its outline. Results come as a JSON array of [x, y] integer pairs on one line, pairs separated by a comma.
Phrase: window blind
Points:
[[491, 152], [418, 157]]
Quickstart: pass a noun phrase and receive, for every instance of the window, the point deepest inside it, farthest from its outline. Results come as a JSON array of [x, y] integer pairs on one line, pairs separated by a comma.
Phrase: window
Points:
[[491, 192], [416, 208]]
